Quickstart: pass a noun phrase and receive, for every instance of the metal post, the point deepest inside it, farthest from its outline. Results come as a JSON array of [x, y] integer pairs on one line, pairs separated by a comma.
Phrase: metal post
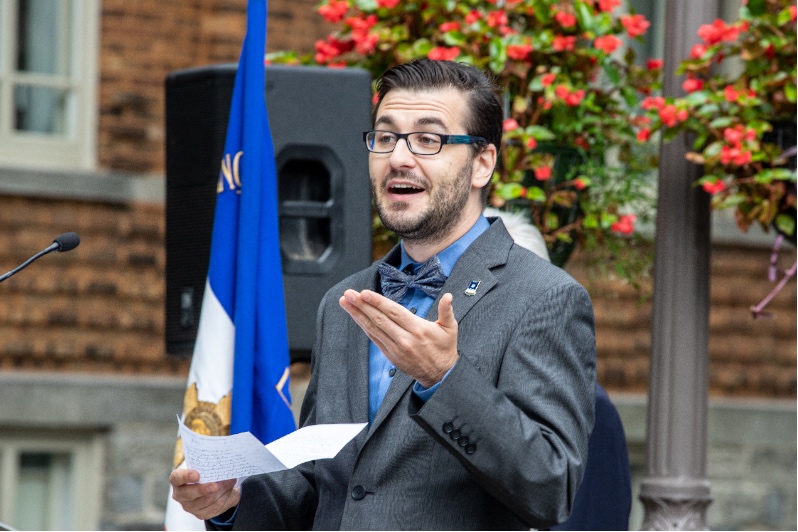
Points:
[[675, 492]]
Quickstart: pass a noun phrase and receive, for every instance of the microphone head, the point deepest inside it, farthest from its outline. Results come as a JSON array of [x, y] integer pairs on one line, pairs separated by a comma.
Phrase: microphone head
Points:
[[67, 241]]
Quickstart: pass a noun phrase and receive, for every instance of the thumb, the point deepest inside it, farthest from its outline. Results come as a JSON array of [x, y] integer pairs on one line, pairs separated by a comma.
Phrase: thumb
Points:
[[446, 317]]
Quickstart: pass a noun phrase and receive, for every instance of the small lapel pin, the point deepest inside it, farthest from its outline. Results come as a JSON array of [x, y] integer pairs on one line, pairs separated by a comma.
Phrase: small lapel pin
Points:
[[472, 288]]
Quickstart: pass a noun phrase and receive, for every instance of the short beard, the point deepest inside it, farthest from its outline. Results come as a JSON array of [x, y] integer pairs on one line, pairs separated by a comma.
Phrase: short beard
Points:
[[445, 210]]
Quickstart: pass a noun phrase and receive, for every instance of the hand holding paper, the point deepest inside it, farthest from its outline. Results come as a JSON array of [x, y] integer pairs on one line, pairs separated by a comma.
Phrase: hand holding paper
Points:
[[242, 455]]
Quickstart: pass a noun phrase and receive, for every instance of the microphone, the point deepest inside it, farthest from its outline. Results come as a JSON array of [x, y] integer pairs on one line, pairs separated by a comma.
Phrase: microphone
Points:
[[64, 242]]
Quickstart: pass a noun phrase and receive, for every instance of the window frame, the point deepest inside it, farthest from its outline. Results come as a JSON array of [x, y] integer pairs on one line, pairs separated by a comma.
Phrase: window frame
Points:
[[87, 453], [77, 148]]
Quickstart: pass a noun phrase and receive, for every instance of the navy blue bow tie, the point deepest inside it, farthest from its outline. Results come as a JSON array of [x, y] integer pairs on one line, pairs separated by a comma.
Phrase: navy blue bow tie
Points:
[[395, 283]]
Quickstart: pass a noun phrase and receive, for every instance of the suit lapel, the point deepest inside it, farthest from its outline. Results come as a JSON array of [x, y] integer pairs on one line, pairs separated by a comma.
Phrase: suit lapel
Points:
[[488, 251]]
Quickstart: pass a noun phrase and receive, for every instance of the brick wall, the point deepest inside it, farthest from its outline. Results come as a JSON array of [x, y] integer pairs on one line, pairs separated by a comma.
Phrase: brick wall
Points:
[[99, 308], [747, 357], [142, 41]]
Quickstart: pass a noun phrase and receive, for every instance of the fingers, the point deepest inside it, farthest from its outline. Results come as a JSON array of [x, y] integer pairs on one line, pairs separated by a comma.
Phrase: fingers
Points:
[[204, 501]]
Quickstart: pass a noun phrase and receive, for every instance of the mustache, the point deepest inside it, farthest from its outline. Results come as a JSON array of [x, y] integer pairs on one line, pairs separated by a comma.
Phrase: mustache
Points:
[[405, 175]]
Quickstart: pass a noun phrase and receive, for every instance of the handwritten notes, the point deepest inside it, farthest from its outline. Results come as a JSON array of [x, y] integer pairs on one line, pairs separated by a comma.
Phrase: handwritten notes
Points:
[[242, 455]]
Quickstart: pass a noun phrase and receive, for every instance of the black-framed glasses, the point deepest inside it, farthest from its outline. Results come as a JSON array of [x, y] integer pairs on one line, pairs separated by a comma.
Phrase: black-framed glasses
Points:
[[420, 142]]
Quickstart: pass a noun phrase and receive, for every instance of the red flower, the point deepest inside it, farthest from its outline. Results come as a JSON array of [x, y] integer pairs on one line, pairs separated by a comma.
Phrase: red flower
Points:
[[734, 135], [655, 64], [547, 79], [473, 16], [713, 187], [510, 124], [730, 94], [566, 20], [737, 156], [625, 224], [608, 5], [652, 102], [693, 84], [607, 43], [387, 3], [361, 24], [519, 51], [581, 143], [334, 10], [574, 98], [643, 135], [698, 51], [635, 25], [718, 31], [531, 143], [449, 26], [441, 53], [792, 12], [543, 173], [562, 91], [667, 114], [365, 43], [580, 183], [330, 49], [562, 43], [497, 18]]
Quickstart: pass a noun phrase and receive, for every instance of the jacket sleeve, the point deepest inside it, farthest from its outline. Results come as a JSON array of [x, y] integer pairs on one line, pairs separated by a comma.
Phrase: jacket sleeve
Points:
[[522, 432]]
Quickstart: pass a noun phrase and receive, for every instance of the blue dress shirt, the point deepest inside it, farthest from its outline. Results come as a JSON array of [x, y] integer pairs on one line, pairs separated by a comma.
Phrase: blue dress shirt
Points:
[[381, 370]]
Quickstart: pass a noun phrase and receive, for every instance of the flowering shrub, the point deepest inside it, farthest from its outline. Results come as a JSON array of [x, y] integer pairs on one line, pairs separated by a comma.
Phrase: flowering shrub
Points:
[[569, 82], [740, 81]]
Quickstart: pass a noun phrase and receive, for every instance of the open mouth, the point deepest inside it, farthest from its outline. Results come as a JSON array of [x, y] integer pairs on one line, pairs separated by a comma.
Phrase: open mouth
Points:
[[404, 189]]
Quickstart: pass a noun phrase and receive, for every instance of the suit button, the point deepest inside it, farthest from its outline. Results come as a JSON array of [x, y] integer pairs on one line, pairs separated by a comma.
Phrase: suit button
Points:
[[455, 434], [463, 442], [470, 449], [448, 427], [358, 492]]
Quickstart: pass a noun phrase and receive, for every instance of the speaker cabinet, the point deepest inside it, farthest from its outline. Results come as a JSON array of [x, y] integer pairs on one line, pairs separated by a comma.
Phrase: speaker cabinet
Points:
[[317, 116]]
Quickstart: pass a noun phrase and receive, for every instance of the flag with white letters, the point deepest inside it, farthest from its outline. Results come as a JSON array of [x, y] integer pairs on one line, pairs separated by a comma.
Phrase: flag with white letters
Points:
[[238, 379]]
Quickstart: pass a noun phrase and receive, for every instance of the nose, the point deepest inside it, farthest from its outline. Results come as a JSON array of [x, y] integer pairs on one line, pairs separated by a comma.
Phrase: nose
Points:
[[401, 156]]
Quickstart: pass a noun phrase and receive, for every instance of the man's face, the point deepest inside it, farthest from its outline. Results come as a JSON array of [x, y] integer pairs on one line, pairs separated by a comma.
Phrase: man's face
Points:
[[423, 197]]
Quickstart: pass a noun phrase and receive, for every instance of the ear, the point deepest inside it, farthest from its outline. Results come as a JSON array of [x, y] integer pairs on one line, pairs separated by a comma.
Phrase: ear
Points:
[[483, 165]]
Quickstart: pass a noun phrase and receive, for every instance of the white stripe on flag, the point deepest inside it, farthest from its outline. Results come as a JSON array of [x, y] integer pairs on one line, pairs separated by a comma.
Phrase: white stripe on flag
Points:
[[212, 362]]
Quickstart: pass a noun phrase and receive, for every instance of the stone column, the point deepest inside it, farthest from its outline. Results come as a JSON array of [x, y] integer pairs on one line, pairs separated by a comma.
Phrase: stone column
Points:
[[675, 491]]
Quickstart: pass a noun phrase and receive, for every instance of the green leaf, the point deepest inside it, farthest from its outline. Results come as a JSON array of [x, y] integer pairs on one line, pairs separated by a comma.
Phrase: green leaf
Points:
[[421, 47], [509, 191], [612, 72], [540, 133], [366, 5], [722, 122], [585, 16], [784, 16], [694, 99], [786, 224], [730, 201], [552, 221], [454, 38], [498, 55], [757, 7], [590, 222], [789, 91], [536, 194]]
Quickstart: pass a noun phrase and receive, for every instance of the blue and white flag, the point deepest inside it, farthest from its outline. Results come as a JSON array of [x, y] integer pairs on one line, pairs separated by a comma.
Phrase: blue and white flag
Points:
[[238, 379]]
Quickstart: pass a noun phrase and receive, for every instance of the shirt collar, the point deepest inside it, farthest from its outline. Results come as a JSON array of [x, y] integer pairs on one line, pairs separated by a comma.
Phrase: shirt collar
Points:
[[449, 256]]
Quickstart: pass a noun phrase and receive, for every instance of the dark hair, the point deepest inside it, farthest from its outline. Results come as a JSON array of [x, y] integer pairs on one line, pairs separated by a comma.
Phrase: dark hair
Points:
[[485, 110]]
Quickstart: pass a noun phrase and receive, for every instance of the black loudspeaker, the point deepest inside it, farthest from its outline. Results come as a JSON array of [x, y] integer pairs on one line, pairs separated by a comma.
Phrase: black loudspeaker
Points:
[[317, 116]]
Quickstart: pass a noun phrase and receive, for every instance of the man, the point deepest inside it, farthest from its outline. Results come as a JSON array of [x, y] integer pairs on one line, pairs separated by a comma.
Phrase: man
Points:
[[479, 394]]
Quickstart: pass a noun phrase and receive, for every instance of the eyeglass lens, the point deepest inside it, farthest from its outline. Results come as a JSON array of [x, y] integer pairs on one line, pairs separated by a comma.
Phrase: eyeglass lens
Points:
[[420, 143]]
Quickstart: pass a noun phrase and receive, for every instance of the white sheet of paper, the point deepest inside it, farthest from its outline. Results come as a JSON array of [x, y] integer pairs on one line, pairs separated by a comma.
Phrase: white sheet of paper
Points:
[[241, 455]]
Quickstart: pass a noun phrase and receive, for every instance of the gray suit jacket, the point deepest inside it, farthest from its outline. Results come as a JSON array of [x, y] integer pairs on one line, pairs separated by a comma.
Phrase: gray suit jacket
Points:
[[502, 443]]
